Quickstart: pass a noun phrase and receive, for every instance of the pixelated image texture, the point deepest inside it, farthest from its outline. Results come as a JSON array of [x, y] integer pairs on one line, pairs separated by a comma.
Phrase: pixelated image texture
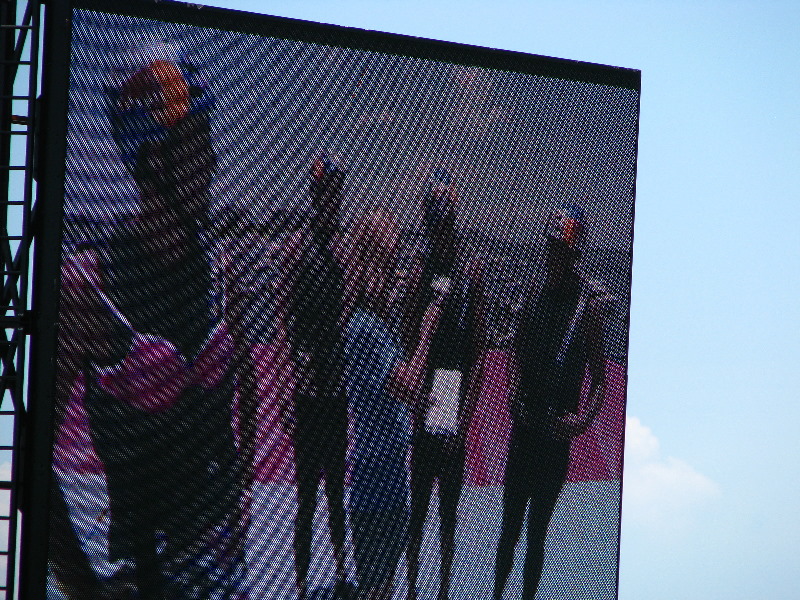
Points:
[[336, 323]]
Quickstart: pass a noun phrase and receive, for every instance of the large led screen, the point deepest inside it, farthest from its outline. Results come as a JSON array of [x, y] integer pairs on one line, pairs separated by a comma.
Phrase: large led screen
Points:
[[341, 314]]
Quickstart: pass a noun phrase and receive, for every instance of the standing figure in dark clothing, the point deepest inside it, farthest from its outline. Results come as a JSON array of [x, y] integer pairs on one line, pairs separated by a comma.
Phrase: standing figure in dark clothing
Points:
[[159, 380], [559, 338], [451, 383], [319, 413]]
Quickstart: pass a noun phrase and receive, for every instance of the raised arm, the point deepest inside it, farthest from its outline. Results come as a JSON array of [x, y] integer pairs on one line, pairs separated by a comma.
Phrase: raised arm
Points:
[[405, 380], [575, 424]]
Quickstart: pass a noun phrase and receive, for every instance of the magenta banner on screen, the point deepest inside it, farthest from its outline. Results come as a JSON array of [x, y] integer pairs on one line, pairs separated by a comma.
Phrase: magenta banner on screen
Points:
[[341, 314]]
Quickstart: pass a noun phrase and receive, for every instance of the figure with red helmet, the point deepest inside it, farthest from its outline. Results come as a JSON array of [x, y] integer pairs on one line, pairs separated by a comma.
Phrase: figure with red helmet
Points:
[[450, 387], [559, 338], [318, 416], [157, 365]]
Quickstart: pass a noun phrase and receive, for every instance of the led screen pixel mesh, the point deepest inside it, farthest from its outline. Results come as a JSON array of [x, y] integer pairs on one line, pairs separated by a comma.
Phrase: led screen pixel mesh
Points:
[[335, 321]]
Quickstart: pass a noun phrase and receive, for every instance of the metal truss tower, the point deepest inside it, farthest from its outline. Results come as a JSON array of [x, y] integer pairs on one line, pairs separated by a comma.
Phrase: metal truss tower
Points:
[[19, 78]]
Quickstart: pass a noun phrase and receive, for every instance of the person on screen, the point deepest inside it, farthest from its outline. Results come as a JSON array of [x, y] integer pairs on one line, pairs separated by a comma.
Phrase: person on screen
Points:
[[318, 419], [382, 386], [69, 562], [451, 380], [159, 394], [559, 338], [252, 264]]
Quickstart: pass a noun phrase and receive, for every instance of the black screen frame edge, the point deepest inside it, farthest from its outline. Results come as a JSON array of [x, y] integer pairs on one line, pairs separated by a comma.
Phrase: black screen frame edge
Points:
[[363, 39], [47, 227]]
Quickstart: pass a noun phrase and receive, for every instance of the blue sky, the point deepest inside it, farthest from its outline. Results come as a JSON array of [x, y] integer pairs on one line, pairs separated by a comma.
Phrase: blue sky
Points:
[[711, 480]]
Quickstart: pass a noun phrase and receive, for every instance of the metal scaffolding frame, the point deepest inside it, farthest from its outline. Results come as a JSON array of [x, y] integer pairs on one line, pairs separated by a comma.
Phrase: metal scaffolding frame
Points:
[[19, 84]]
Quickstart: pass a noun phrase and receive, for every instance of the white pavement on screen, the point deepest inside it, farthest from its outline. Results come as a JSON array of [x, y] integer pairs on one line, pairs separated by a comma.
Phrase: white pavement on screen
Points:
[[580, 559]]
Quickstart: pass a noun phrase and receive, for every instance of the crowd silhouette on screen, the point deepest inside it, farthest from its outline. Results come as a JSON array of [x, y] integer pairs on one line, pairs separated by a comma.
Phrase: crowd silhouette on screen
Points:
[[384, 364]]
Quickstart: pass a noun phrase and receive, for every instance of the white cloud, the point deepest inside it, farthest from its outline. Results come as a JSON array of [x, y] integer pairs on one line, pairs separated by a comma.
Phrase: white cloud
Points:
[[640, 443], [663, 494]]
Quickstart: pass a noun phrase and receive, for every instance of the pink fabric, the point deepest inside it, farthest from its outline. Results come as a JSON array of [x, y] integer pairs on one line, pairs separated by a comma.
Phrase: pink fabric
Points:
[[274, 458], [214, 359], [490, 429], [596, 455], [73, 450], [151, 377]]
